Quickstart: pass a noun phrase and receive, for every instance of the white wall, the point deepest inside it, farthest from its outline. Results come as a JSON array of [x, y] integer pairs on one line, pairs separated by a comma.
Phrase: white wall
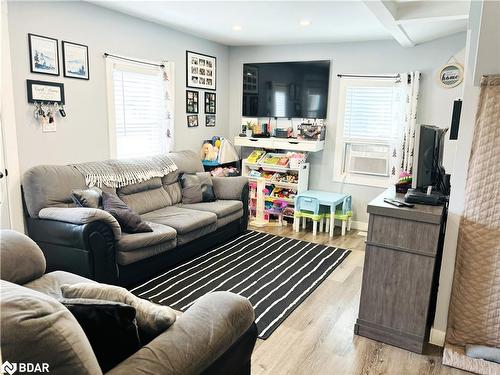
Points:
[[83, 134], [384, 57]]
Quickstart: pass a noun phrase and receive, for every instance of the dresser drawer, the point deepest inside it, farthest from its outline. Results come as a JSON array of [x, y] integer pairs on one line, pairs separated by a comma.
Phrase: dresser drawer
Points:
[[403, 234]]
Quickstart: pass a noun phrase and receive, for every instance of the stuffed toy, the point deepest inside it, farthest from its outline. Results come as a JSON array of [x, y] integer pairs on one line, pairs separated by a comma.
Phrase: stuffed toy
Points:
[[209, 152]]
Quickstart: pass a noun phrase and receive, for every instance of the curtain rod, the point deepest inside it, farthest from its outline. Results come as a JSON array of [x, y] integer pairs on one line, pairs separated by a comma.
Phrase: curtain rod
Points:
[[137, 61], [367, 76]]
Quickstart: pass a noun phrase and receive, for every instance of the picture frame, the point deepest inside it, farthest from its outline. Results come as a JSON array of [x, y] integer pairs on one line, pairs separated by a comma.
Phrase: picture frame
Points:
[[43, 91], [192, 121], [210, 121], [192, 101], [210, 103], [451, 75], [75, 60], [201, 71], [44, 54]]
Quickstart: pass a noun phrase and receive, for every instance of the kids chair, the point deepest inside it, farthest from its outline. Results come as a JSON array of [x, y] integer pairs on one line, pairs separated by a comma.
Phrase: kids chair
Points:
[[306, 208], [344, 215]]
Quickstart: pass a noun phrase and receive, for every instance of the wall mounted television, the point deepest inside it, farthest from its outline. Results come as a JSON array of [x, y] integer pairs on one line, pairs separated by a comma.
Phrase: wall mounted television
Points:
[[286, 89]]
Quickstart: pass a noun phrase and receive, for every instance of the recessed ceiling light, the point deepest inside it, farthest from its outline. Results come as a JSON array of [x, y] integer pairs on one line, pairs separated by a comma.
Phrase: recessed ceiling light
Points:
[[236, 28], [305, 23]]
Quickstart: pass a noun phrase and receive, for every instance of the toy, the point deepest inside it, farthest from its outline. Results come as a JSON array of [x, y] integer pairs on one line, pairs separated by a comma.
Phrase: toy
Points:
[[404, 182], [225, 172], [276, 208], [254, 174], [209, 152], [283, 161], [255, 156]]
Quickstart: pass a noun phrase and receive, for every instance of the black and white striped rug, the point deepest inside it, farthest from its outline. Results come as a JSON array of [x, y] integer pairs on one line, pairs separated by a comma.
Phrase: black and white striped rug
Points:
[[275, 273]]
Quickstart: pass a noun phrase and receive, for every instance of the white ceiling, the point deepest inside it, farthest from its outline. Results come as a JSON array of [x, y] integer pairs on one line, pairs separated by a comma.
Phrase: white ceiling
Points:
[[278, 22]]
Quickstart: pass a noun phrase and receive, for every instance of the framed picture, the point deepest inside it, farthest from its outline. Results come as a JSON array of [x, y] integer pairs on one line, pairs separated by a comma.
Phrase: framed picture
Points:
[[192, 121], [41, 91], [210, 120], [201, 71], [451, 75], [210, 103], [44, 54], [75, 60], [192, 101]]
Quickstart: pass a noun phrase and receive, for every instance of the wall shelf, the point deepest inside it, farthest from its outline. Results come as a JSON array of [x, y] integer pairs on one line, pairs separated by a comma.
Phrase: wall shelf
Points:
[[280, 143]]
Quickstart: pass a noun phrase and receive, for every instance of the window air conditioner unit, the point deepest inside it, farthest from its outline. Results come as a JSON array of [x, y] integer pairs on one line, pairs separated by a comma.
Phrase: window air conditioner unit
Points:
[[367, 159]]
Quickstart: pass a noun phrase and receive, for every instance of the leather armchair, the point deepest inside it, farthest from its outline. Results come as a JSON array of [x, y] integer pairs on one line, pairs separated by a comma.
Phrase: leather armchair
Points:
[[215, 336]]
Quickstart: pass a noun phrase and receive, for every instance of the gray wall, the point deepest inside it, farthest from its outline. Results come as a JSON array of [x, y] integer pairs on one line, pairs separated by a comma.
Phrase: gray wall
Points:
[[384, 57], [83, 134]]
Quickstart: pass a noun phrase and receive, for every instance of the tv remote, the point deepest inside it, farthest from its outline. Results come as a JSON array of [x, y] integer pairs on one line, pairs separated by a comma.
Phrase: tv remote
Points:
[[398, 203]]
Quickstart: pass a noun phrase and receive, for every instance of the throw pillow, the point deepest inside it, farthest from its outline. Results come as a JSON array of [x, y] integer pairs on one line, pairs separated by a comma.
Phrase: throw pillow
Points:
[[152, 319], [90, 198], [197, 188], [129, 221], [110, 327]]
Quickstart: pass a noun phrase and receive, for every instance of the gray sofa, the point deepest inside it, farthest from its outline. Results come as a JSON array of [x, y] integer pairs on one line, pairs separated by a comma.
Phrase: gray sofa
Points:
[[214, 336], [90, 243]]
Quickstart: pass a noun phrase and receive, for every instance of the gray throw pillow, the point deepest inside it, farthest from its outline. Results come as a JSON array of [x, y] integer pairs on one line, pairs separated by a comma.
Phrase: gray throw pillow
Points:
[[152, 319], [197, 188], [90, 198], [129, 221]]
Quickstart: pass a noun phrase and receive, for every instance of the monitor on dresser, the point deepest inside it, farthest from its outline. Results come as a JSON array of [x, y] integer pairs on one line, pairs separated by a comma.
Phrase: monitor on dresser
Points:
[[428, 167]]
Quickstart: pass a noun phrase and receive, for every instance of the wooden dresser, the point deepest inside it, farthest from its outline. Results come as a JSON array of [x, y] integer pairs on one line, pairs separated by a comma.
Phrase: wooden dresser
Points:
[[401, 273]]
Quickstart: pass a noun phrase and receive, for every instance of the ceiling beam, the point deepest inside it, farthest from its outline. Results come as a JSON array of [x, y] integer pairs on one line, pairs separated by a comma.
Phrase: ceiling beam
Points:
[[439, 11], [385, 13]]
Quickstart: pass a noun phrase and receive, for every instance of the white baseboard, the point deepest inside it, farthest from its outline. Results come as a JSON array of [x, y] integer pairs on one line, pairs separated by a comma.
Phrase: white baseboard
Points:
[[359, 225], [437, 337]]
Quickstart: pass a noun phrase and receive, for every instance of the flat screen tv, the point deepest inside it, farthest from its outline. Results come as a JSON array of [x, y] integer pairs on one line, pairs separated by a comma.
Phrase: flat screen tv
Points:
[[286, 89], [429, 159]]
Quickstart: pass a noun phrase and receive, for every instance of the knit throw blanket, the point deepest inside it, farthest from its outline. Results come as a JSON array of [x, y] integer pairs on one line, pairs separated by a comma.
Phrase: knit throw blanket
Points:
[[117, 173]]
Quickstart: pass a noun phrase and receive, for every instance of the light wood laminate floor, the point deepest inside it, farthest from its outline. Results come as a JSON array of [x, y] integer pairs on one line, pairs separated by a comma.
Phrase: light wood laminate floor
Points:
[[318, 338]]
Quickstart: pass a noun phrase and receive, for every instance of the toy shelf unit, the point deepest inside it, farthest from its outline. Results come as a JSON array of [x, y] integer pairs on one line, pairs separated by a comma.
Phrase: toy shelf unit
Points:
[[296, 179], [275, 180]]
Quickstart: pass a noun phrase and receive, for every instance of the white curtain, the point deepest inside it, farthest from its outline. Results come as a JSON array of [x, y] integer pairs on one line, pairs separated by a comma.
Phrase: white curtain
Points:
[[403, 152], [167, 69]]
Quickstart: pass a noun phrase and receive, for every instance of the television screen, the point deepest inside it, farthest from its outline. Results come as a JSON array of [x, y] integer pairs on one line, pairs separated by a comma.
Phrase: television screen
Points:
[[288, 89], [429, 158]]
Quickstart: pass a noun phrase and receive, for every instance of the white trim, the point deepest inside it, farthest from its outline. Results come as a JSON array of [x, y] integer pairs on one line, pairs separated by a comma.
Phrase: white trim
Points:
[[359, 225], [8, 128], [437, 337], [110, 96], [340, 141], [111, 63]]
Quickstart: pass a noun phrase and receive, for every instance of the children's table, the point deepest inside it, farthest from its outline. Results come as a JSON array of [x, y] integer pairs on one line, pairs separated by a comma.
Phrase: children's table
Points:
[[332, 200]]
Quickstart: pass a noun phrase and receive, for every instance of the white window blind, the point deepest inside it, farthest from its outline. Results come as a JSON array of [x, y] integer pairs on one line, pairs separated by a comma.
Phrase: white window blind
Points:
[[369, 112], [139, 111]]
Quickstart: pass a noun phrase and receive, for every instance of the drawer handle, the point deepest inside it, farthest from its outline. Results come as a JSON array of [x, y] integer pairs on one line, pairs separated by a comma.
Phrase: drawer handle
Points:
[[293, 143], [253, 140]]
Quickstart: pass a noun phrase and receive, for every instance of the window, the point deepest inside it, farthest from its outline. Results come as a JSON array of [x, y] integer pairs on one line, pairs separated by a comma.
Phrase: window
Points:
[[368, 126], [138, 109]]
